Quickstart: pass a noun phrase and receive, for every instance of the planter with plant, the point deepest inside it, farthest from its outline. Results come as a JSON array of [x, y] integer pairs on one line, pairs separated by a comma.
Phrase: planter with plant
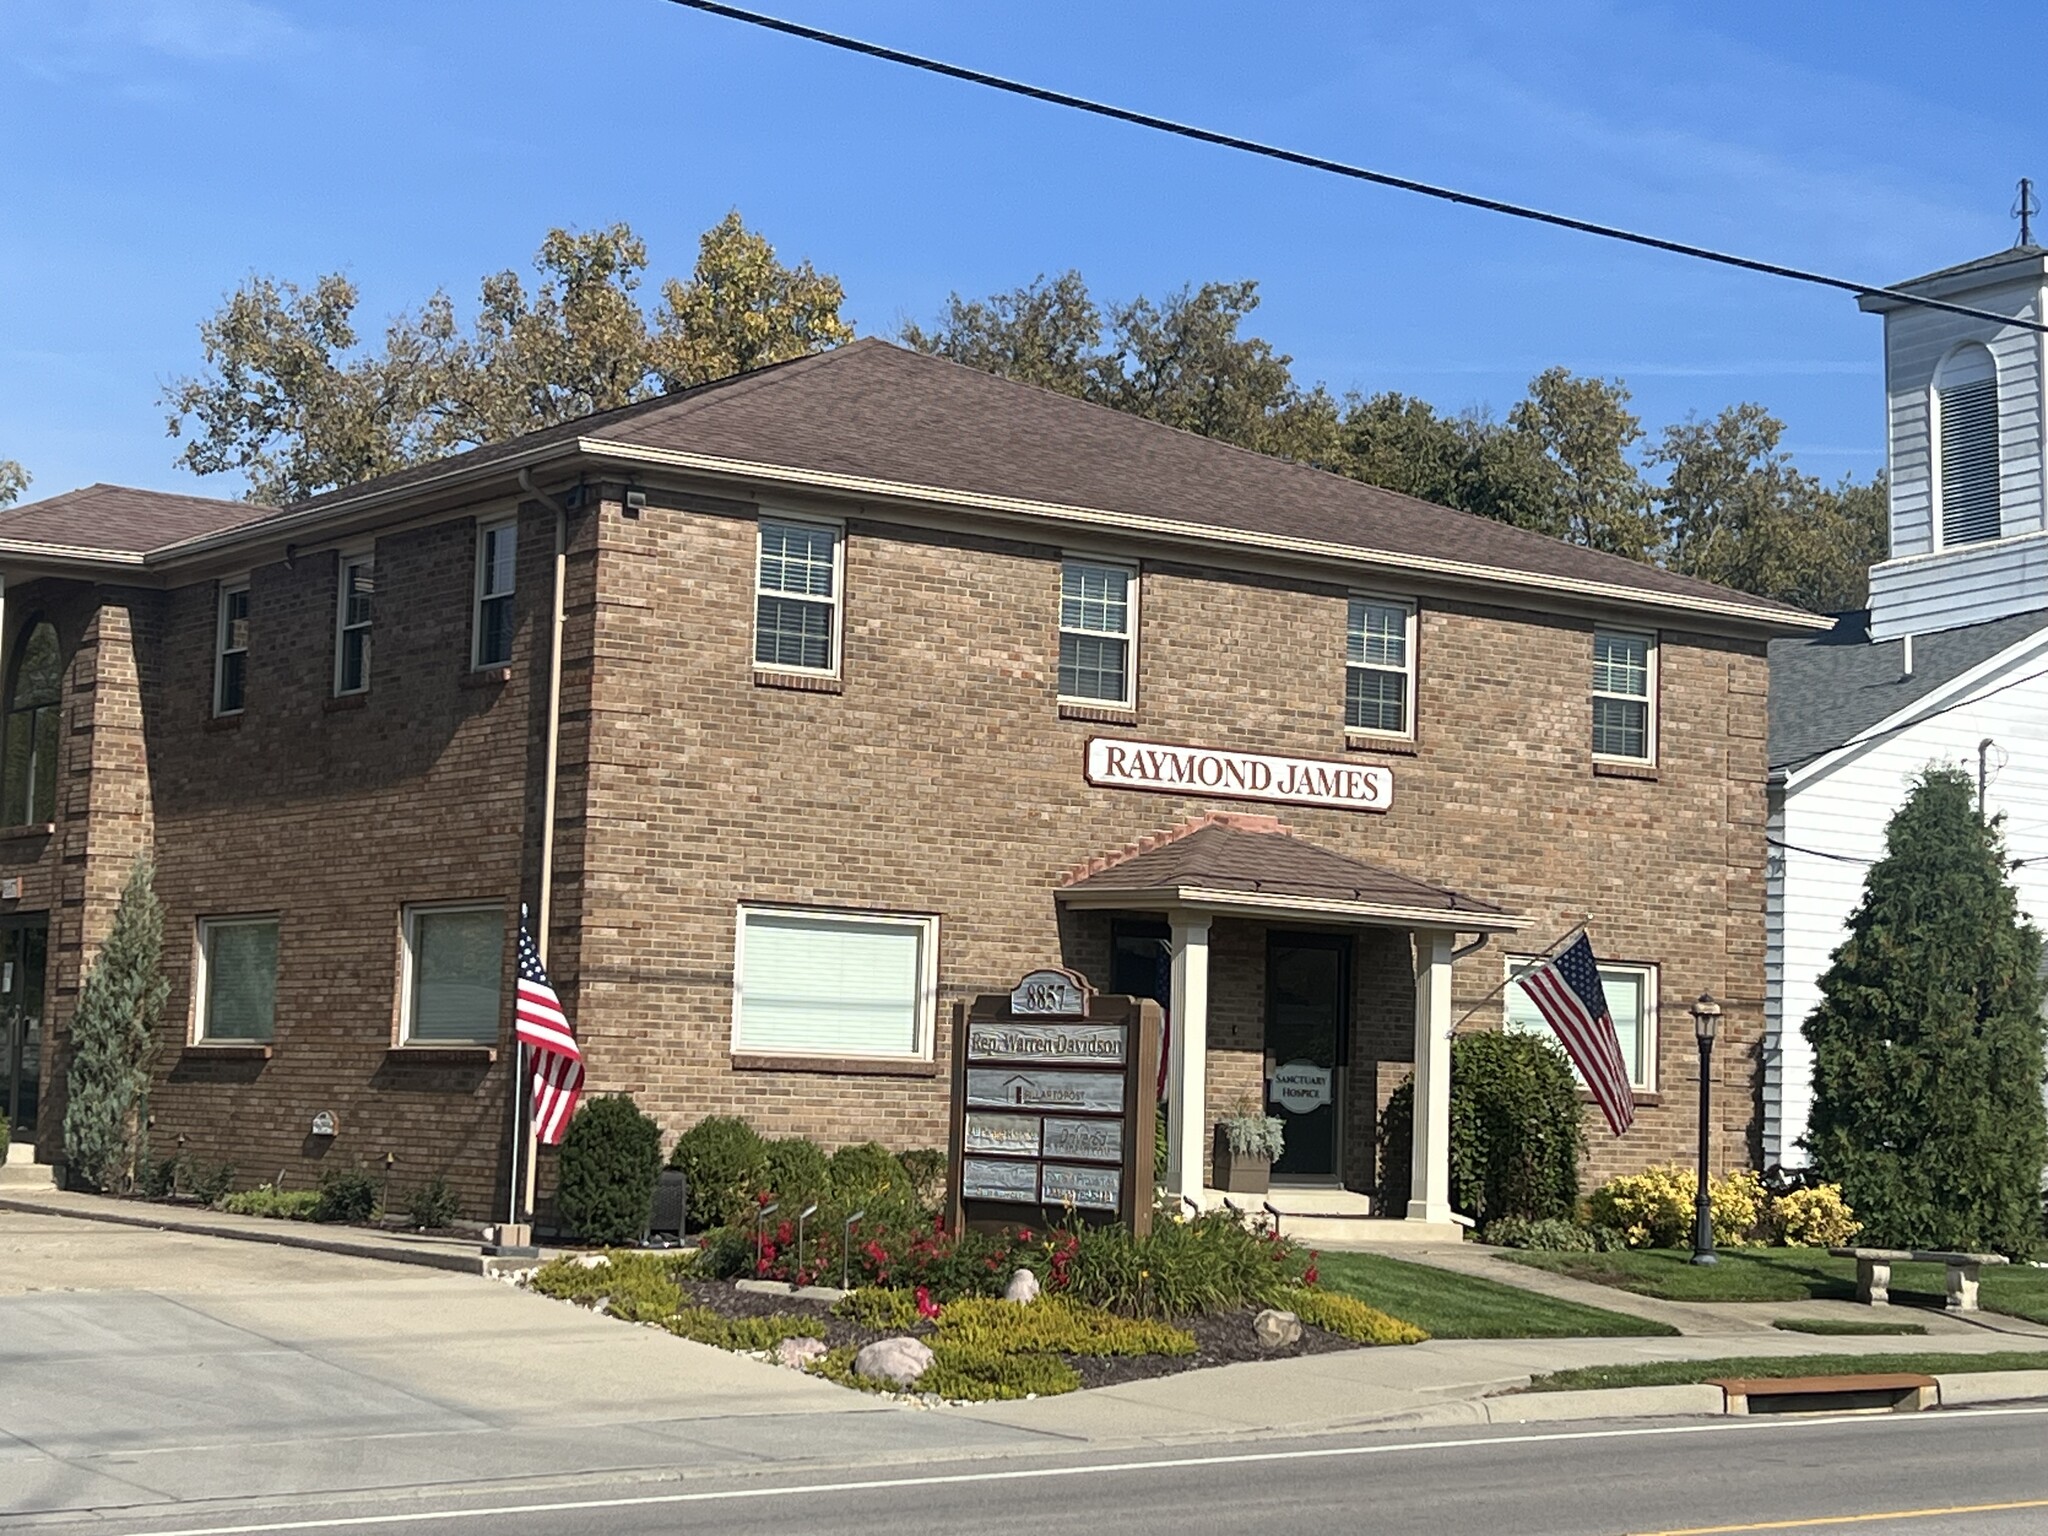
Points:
[[1248, 1144]]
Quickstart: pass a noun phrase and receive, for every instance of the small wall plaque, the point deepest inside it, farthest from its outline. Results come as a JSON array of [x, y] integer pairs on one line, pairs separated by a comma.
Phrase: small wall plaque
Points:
[[1301, 1086], [1020, 1088], [1014, 1135], [10, 888], [324, 1123]]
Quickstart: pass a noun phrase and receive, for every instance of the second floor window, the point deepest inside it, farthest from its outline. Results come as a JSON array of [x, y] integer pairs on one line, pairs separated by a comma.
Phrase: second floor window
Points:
[[1624, 692], [236, 984], [29, 789], [1379, 670], [231, 650], [496, 560], [352, 624], [796, 597], [1096, 634]]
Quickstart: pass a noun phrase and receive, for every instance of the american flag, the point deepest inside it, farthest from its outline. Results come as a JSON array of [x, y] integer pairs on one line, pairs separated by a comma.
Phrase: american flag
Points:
[[542, 1026], [1567, 992]]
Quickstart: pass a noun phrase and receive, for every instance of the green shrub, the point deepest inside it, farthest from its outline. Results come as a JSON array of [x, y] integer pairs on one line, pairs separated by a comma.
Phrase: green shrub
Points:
[[745, 1334], [1348, 1317], [976, 1373], [1928, 1039], [727, 1166], [925, 1168], [1516, 1130], [868, 1176], [1212, 1263], [796, 1173], [112, 1040], [610, 1159], [879, 1307], [346, 1194], [647, 1277], [209, 1183], [157, 1179], [1552, 1236], [1056, 1325], [267, 1200], [434, 1204]]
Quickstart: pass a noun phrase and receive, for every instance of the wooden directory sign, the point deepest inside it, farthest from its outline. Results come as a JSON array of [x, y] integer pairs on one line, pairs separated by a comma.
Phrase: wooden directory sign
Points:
[[1054, 1097]]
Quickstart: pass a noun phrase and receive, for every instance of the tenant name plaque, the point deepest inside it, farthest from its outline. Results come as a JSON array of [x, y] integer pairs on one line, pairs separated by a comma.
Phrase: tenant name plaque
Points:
[[1053, 1095], [1301, 1086], [1182, 770]]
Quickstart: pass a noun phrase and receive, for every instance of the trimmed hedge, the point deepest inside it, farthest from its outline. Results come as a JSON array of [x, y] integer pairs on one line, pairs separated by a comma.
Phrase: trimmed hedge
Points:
[[726, 1162], [1517, 1130], [610, 1158]]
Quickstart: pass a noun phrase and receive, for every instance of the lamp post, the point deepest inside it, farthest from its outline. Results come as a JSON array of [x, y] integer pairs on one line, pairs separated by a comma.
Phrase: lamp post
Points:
[[1706, 1022]]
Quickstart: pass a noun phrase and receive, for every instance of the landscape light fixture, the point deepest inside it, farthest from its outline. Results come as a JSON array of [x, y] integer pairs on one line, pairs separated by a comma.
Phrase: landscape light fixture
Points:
[[1706, 1023], [846, 1246]]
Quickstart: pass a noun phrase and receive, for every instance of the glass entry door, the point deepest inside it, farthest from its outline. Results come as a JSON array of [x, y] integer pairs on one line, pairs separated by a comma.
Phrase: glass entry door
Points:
[[23, 943], [1308, 990]]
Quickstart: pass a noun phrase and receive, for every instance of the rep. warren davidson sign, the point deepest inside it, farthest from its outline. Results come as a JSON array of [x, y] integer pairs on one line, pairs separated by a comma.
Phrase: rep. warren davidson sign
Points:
[[1176, 770]]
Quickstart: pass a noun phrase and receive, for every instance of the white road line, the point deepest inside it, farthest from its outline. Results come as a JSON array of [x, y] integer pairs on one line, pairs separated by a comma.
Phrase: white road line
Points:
[[1774, 1425]]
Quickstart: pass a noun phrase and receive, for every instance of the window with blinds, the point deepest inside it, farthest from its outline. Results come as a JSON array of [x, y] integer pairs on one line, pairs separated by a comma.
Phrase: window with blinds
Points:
[[796, 597], [1095, 632], [1631, 1000], [1378, 672], [238, 978], [1969, 461], [834, 985], [1624, 677], [454, 975]]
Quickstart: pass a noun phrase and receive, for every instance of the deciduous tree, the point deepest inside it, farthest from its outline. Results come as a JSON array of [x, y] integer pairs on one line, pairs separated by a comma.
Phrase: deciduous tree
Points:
[[13, 481], [1928, 1040]]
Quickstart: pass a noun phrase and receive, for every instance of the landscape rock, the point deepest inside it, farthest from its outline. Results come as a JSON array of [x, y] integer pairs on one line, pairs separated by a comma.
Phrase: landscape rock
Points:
[[594, 1260], [899, 1361], [1276, 1329], [1023, 1287], [798, 1353]]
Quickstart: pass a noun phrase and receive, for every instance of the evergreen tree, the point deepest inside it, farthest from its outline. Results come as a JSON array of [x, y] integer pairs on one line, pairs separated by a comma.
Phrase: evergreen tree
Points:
[[113, 1038], [1928, 1040]]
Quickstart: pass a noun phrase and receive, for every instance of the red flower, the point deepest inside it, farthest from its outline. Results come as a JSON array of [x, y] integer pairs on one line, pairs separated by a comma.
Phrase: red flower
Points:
[[926, 1307], [1308, 1276]]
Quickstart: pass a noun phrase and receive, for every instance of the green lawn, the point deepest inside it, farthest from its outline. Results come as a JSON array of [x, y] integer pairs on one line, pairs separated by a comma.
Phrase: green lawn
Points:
[[1678, 1373], [1785, 1274], [1448, 1305], [1842, 1325]]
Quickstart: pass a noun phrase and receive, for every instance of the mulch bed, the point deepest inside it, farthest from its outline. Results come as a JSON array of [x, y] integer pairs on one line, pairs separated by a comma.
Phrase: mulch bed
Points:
[[1225, 1338]]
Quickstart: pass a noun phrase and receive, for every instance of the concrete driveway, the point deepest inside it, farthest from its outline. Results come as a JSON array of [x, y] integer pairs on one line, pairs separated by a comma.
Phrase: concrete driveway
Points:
[[142, 1368]]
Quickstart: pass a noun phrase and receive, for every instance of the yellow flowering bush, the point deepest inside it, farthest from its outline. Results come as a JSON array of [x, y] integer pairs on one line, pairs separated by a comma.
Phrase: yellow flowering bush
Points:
[[1654, 1208], [1814, 1218]]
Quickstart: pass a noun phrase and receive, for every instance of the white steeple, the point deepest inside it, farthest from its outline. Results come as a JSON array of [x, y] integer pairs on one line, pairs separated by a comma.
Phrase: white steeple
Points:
[[1966, 441]]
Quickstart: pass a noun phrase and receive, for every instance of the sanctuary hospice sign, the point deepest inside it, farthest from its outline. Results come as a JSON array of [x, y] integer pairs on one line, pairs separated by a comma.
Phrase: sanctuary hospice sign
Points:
[[1173, 770]]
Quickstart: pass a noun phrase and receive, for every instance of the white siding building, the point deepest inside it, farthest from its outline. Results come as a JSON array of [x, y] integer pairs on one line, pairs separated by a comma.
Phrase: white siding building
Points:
[[1950, 665]]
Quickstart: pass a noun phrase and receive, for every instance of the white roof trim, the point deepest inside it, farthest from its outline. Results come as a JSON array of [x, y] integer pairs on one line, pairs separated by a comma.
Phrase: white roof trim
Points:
[[1248, 903], [1984, 672], [1186, 532]]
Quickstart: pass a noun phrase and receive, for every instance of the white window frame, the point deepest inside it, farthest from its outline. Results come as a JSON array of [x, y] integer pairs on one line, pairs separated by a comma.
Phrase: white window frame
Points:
[[1408, 668], [343, 628], [837, 601], [927, 925], [1937, 436], [221, 650], [201, 974], [407, 945], [1129, 637], [476, 608], [1648, 698], [1645, 970]]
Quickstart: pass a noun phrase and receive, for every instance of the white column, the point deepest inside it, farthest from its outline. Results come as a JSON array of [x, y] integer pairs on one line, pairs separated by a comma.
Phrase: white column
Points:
[[1187, 1116], [1430, 1190]]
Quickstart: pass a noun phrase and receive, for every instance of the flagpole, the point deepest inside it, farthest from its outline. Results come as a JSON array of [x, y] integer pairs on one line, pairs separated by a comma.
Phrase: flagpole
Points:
[[1505, 981], [550, 775]]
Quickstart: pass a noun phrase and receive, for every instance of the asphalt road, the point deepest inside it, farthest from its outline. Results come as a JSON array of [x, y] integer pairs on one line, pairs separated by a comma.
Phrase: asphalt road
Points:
[[1959, 1473]]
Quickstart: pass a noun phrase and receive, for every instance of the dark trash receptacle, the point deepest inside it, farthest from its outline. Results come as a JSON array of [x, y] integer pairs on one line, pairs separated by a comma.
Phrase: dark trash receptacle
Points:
[[671, 1202]]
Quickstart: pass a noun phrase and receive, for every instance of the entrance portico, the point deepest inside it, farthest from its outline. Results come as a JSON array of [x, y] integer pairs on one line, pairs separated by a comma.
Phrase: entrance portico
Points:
[[1231, 873]]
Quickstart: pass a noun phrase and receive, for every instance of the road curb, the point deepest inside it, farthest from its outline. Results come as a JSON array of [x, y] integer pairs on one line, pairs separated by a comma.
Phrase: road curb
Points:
[[285, 1237], [1963, 1388]]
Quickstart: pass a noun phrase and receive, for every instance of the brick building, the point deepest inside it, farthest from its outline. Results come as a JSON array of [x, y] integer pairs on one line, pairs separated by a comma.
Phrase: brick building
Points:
[[881, 681]]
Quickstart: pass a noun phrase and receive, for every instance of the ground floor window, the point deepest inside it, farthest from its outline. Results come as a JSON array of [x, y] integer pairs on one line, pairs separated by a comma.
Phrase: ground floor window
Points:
[[454, 974], [237, 981], [1631, 998], [834, 984]]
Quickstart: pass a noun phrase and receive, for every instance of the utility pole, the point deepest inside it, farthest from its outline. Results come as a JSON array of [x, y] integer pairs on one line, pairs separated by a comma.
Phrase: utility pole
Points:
[[1983, 778]]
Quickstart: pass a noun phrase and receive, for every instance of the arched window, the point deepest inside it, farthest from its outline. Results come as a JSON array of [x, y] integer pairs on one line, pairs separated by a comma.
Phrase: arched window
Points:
[[28, 779], [1966, 419]]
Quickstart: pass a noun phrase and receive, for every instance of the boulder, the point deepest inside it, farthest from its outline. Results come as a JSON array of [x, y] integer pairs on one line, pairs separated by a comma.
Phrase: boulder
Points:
[[1276, 1329], [798, 1353], [898, 1361], [1023, 1287], [594, 1260]]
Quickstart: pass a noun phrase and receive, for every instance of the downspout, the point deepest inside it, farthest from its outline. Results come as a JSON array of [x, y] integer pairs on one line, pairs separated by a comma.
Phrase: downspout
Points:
[[551, 767]]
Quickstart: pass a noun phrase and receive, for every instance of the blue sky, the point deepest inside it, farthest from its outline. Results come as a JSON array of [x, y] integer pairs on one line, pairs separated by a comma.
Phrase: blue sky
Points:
[[154, 152]]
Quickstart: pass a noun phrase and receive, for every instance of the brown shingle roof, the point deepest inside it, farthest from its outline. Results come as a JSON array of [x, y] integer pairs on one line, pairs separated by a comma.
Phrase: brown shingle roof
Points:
[[123, 520], [1257, 855]]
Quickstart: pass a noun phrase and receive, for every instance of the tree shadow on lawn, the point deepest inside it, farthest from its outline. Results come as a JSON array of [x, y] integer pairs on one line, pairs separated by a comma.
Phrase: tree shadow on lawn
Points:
[[1741, 1274]]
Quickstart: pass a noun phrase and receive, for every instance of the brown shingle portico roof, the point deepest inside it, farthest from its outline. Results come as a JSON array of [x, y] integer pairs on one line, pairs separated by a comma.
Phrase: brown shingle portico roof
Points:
[[121, 522], [1231, 862]]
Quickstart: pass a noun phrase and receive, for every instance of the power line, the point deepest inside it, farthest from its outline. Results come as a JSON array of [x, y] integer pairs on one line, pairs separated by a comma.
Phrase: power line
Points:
[[1335, 167]]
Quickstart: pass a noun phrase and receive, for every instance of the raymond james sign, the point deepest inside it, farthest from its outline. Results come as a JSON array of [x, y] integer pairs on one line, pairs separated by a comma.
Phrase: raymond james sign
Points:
[[1182, 770], [1052, 1118]]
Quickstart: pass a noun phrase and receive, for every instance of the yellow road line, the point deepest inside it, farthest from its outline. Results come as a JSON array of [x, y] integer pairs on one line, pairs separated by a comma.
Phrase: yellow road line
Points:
[[1865, 1519]]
